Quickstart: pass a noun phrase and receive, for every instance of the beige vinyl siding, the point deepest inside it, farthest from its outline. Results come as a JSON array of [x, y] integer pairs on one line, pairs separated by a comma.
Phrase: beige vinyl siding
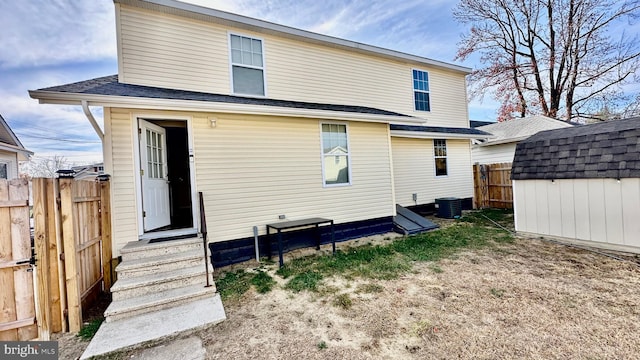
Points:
[[493, 154], [252, 169], [119, 163], [174, 52], [597, 212], [414, 171]]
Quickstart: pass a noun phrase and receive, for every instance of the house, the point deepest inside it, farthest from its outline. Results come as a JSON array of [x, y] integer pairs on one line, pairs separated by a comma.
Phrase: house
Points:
[[261, 118], [507, 134], [88, 172], [269, 123], [11, 151], [581, 185]]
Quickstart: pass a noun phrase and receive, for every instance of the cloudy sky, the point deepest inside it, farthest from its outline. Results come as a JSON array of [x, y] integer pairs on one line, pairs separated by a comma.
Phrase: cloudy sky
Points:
[[53, 42]]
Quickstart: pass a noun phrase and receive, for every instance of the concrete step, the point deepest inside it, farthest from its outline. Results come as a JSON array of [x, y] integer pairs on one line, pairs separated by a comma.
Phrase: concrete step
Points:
[[121, 309], [158, 281], [143, 249], [135, 330], [160, 263]]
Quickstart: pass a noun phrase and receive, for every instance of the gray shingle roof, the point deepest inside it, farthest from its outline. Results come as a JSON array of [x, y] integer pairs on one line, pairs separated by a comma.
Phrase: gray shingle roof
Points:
[[520, 128], [478, 123], [439, 129], [109, 85], [604, 150]]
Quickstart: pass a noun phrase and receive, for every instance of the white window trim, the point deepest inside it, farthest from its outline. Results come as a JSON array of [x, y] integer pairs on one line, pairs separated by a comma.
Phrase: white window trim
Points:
[[413, 92], [9, 163], [263, 68], [446, 157], [322, 155]]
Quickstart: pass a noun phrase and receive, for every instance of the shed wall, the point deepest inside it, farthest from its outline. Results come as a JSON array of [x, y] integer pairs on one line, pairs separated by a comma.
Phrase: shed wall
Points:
[[604, 212], [414, 171], [173, 52]]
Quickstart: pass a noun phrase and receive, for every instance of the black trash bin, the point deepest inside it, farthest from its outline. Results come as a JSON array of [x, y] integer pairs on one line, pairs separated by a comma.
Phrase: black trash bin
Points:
[[449, 207]]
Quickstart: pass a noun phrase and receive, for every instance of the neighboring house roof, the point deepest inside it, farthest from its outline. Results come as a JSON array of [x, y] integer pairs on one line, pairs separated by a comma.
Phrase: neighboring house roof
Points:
[[221, 17], [435, 132], [604, 150], [88, 171], [519, 129], [478, 123], [9, 141], [109, 86]]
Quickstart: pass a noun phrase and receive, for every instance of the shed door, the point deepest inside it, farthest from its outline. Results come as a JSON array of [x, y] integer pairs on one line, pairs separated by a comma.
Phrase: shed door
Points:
[[153, 170]]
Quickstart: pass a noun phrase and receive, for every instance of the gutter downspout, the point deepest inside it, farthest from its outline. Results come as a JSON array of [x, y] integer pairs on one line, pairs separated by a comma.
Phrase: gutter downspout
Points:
[[92, 120]]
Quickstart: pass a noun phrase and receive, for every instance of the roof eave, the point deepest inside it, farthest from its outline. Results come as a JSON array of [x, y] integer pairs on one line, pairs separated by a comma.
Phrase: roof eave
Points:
[[433, 135], [16, 149], [64, 98], [504, 141], [243, 22]]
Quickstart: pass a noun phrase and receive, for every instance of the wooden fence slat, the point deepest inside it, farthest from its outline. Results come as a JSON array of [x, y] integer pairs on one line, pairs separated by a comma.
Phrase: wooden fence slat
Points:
[[42, 258], [105, 226], [7, 299], [13, 203], [15, 325], [71, 263], [52, 238]]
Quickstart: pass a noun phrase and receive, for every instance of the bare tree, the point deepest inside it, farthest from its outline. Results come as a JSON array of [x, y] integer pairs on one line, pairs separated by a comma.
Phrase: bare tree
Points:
[[558, 58], [45, 167]]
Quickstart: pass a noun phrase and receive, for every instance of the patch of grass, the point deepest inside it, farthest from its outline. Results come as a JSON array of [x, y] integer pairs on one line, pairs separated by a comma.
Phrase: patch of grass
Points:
[[369, 288], [263, 282], [503, 217], [343, 301], [304, 281], [233, 284], [436, 269], [420, 328], [322, 345], [389, 261], [497, 292], [88, 331]]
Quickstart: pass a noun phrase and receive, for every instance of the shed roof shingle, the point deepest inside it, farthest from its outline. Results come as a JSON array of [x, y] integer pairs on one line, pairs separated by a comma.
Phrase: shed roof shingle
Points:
[[520, 128], [109, 85], [604, 150]]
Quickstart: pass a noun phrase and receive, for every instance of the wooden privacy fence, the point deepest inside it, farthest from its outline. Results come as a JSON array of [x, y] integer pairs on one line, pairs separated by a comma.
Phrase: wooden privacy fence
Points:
[[73, 249], [17, 312], [492, 186]]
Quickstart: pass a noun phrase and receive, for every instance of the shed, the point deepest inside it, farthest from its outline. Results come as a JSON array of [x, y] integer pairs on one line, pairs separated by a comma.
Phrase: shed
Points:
[[581, 184]]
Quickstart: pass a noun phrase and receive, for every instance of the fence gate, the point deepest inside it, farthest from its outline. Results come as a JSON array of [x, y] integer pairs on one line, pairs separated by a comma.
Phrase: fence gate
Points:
[[492, 186], [17, 306]]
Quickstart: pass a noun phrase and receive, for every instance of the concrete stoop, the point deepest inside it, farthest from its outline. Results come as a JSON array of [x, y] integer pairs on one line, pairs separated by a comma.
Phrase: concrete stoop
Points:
[[160, 292]]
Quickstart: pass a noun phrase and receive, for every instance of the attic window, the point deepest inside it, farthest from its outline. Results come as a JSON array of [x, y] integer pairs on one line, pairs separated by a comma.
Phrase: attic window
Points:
[[247, 65], [421, 90]]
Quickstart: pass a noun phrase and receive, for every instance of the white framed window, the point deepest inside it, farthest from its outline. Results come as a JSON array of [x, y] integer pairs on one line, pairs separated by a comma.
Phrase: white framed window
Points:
[[336, 158], [4, 170], [421, 90], [247, 65], [440, 156]]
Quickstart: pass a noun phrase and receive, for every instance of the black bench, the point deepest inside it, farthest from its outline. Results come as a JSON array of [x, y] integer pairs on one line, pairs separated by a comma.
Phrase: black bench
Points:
[[294, 224]]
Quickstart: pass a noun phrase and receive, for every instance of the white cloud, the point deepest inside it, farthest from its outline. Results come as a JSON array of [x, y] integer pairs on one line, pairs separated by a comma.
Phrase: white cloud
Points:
[[37, 33]]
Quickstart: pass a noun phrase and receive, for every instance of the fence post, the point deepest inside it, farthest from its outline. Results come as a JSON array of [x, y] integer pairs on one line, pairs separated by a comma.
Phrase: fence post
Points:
[[105, 216], [43, 304], [72, 275]]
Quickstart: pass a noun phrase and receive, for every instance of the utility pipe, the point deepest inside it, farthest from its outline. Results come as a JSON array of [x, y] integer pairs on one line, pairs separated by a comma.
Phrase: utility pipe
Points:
[[92, 120]]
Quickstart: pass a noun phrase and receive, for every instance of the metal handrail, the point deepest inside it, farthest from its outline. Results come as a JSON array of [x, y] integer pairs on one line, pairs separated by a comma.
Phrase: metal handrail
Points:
[[203, 230]]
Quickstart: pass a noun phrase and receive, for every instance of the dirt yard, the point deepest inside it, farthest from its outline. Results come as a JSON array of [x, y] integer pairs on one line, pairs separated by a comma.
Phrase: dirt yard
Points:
[[529, 299]]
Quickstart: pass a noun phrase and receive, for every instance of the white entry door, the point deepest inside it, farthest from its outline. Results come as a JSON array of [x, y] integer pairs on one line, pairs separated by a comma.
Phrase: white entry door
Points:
[[153, 170]]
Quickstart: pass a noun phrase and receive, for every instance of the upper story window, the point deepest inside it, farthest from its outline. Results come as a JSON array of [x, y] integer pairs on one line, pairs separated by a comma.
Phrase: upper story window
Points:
[[247, 65], [421, 90], [335, 154], [440, 155]]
